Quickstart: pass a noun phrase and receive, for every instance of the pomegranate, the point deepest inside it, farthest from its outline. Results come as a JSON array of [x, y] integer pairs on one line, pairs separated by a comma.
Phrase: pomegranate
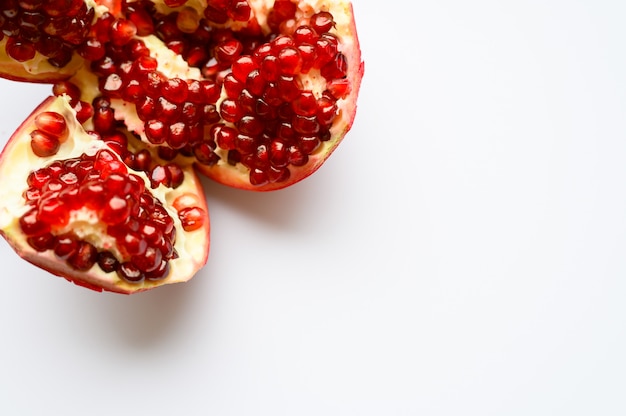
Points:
[[78, 208], [255, 94]]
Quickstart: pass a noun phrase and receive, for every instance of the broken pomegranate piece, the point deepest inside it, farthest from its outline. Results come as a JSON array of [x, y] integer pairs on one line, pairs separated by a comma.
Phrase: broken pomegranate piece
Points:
[[83, 213]]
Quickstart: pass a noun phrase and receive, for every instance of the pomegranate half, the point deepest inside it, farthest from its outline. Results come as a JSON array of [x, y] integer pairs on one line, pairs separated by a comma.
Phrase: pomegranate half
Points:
[[72, 206]]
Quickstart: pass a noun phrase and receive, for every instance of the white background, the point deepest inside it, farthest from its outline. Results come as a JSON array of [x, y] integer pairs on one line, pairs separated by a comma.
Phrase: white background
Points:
[[463, 252]]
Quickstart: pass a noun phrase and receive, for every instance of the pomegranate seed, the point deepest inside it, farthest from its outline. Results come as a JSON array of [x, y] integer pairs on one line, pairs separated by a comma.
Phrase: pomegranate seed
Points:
[[133, 91], [122, 31], [160, 272], [308, 56], [47, 45], [107, 262], [188, 20], [264, 110], [282, 10], [305, 34], [65, 246], [285, 131], [42, 242], [167, 111], [115, 211], [106, 162], [335, 69], [224, 137], [117, 184], [322, 22], [228, 51], [144, 64], [296, 156], [239, 11], [230, 111], [159, 176], [130, 273], [133, 243], [242, 67], [305, 104], [245, 144], [275, 174], [175, 90], [232, 86], [142, 20], [251, 126], [339, 88], [44, 145], [146, 108], [31, 225], [92, 50], [255, 83], [178, 135], [103, 117], [289, 88], [325, 49], [305, 125], [308, 144], [326, 110], [38, 178], [142, 162], [20, 50], [149, 261], [176, 174], [289, 60], [210, 114], [215, 15], [192, 218], [278, 155], [84, 257], [270, 68], [258, 177], [203, 152]]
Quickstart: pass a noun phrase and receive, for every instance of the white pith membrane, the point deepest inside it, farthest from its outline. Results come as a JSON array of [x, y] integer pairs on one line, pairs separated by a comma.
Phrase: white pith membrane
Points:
[[173, 66], [18, 160]]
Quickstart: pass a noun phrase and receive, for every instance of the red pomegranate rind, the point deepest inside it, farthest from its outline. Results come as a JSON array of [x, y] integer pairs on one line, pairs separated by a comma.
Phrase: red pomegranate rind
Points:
[[18, 200]]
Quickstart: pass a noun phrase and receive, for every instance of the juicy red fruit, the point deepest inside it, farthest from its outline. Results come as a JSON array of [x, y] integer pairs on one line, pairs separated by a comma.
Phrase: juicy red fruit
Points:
[[266, 111]]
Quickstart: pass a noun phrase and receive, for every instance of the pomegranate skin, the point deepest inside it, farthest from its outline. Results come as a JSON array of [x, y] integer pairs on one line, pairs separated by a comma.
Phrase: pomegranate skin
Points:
[[16, 163]]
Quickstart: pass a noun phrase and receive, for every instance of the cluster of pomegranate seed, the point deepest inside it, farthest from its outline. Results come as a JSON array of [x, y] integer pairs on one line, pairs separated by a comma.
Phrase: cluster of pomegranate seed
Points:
[[51, 131], [54, 28], [100, 189], [268, 121]]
